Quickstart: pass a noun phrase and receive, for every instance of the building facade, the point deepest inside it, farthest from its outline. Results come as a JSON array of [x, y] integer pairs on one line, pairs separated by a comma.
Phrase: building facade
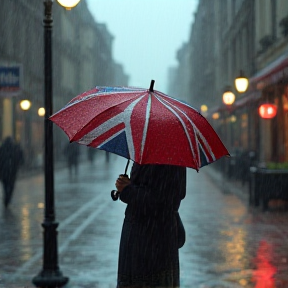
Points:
[[229, 36], [82, 59]]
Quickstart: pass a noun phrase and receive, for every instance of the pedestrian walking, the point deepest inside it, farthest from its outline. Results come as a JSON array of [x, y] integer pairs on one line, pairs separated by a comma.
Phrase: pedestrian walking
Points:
[[72, 152], [11, 157], [91, 154], [148, 253]]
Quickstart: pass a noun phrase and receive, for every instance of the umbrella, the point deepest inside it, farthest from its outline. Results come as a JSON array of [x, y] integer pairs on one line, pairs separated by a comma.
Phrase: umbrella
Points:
[[144, 125]]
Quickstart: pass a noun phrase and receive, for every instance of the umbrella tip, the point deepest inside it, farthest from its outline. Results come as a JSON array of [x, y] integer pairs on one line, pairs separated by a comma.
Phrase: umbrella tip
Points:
[[151, 85]]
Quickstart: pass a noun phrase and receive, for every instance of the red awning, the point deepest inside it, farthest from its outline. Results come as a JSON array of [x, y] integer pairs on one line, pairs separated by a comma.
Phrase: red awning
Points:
[[273, 72], [247, 99]]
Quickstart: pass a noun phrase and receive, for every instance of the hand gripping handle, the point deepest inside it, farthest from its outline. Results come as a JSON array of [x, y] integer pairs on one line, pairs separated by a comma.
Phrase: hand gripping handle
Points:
[[115, 193]]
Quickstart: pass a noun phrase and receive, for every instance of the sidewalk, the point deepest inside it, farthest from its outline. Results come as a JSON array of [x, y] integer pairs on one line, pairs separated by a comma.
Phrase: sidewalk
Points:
[[235, 187], [230, 186]]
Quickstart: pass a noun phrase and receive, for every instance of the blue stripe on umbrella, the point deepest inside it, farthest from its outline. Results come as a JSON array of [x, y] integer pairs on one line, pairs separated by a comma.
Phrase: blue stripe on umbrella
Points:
[[203, 159], [117, 145]]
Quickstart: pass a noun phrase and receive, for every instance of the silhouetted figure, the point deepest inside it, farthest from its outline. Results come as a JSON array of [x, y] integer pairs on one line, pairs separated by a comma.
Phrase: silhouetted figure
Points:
[[91, 154], [72, 152], [11, 157]]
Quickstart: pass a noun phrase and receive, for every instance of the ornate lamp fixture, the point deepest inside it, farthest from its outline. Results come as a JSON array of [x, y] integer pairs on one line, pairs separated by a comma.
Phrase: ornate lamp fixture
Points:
[[228, 96], [241, 83]]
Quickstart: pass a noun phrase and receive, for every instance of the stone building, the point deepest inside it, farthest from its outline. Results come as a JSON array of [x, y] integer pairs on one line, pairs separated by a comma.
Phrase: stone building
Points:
[[82, 59], [228, 36]]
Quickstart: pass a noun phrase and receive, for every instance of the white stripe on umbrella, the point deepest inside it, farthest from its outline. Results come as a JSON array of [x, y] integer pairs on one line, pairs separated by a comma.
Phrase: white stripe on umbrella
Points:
[[127, 120], [101, 129], [101, 93], [147, 118], [123, 117], [197, 134], [181, 121]]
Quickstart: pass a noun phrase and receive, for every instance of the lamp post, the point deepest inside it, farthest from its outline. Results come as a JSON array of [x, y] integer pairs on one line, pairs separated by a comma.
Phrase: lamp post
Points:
[[50, 275]]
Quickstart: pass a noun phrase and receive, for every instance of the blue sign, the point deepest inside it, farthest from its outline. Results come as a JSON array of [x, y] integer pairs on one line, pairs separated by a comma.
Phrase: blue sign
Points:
[[10, 80]]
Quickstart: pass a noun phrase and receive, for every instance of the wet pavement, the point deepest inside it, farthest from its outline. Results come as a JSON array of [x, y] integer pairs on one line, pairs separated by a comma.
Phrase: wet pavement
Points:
[[229, 244]]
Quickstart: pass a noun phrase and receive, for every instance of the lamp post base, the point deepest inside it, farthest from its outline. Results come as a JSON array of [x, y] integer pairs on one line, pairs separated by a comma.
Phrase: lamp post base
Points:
[[50, 279]]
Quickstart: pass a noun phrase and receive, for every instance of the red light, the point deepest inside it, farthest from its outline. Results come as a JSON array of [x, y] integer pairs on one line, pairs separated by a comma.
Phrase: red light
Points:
[[267, 111]]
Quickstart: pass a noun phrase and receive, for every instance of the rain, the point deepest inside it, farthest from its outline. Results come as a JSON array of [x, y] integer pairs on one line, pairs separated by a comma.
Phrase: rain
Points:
[[95, 165]]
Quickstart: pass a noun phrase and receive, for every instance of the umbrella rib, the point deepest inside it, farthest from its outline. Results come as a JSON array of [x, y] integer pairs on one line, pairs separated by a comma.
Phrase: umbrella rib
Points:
[[197, 132], [105, 111], [128, 129], [175, 99], [101, 129], [109, 124], [147, 117], [183, 125], [100, 94]]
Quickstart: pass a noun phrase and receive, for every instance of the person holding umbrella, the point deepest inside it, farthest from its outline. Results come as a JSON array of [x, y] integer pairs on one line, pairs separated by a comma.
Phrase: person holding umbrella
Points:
[[148, 254], [163, 136]]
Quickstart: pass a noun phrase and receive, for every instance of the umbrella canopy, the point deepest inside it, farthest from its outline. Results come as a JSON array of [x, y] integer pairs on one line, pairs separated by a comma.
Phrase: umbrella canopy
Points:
[[143, 125]]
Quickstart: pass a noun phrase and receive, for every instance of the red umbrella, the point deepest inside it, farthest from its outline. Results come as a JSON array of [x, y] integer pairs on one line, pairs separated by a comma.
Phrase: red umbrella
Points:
[[143, 125]]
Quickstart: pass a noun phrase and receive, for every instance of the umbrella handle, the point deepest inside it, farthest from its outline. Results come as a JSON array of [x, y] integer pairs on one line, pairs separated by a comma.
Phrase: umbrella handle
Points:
[[115, 195]]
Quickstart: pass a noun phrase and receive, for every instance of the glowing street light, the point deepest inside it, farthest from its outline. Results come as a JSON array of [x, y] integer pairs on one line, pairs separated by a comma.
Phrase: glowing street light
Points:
[[41, 111], [25, 105], [204, 108], [241, 83], [228, 96], [68, 4]]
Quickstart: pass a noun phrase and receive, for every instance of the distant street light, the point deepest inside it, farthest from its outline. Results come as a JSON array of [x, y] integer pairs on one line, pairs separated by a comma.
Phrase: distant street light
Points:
[[50, 276], [241, 83], [68, 4], [41, 111], [228, 96], [215, 115], [204, 108], [25, 105]]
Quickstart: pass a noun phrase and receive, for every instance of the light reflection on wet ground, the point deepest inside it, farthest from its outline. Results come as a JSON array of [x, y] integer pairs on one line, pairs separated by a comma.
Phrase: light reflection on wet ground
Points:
[[228, 244]]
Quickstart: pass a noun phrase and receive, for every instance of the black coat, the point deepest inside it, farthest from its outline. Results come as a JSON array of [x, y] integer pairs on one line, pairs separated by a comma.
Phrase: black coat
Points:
[[148, 255], [11, 157]]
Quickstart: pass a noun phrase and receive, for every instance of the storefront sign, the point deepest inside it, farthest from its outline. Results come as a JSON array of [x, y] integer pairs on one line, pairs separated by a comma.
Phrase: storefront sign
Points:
[[10, 80]]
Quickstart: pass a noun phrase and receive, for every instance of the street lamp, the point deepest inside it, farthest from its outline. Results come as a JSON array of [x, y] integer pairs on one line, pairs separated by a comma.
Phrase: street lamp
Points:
[[228, 96], [25, 105], [41, 111], [68, 4], [241, 83], [50, 275]]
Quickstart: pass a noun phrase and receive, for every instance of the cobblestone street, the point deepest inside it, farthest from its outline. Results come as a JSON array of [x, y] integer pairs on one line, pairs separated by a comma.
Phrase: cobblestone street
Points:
[[228, 243]]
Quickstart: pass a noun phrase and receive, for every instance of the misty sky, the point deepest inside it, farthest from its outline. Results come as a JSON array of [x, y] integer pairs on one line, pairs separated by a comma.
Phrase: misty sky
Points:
[[147, 34]]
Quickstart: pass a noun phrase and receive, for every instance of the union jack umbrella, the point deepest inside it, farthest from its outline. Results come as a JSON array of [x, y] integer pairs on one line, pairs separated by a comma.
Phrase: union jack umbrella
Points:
[[143, 125]]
